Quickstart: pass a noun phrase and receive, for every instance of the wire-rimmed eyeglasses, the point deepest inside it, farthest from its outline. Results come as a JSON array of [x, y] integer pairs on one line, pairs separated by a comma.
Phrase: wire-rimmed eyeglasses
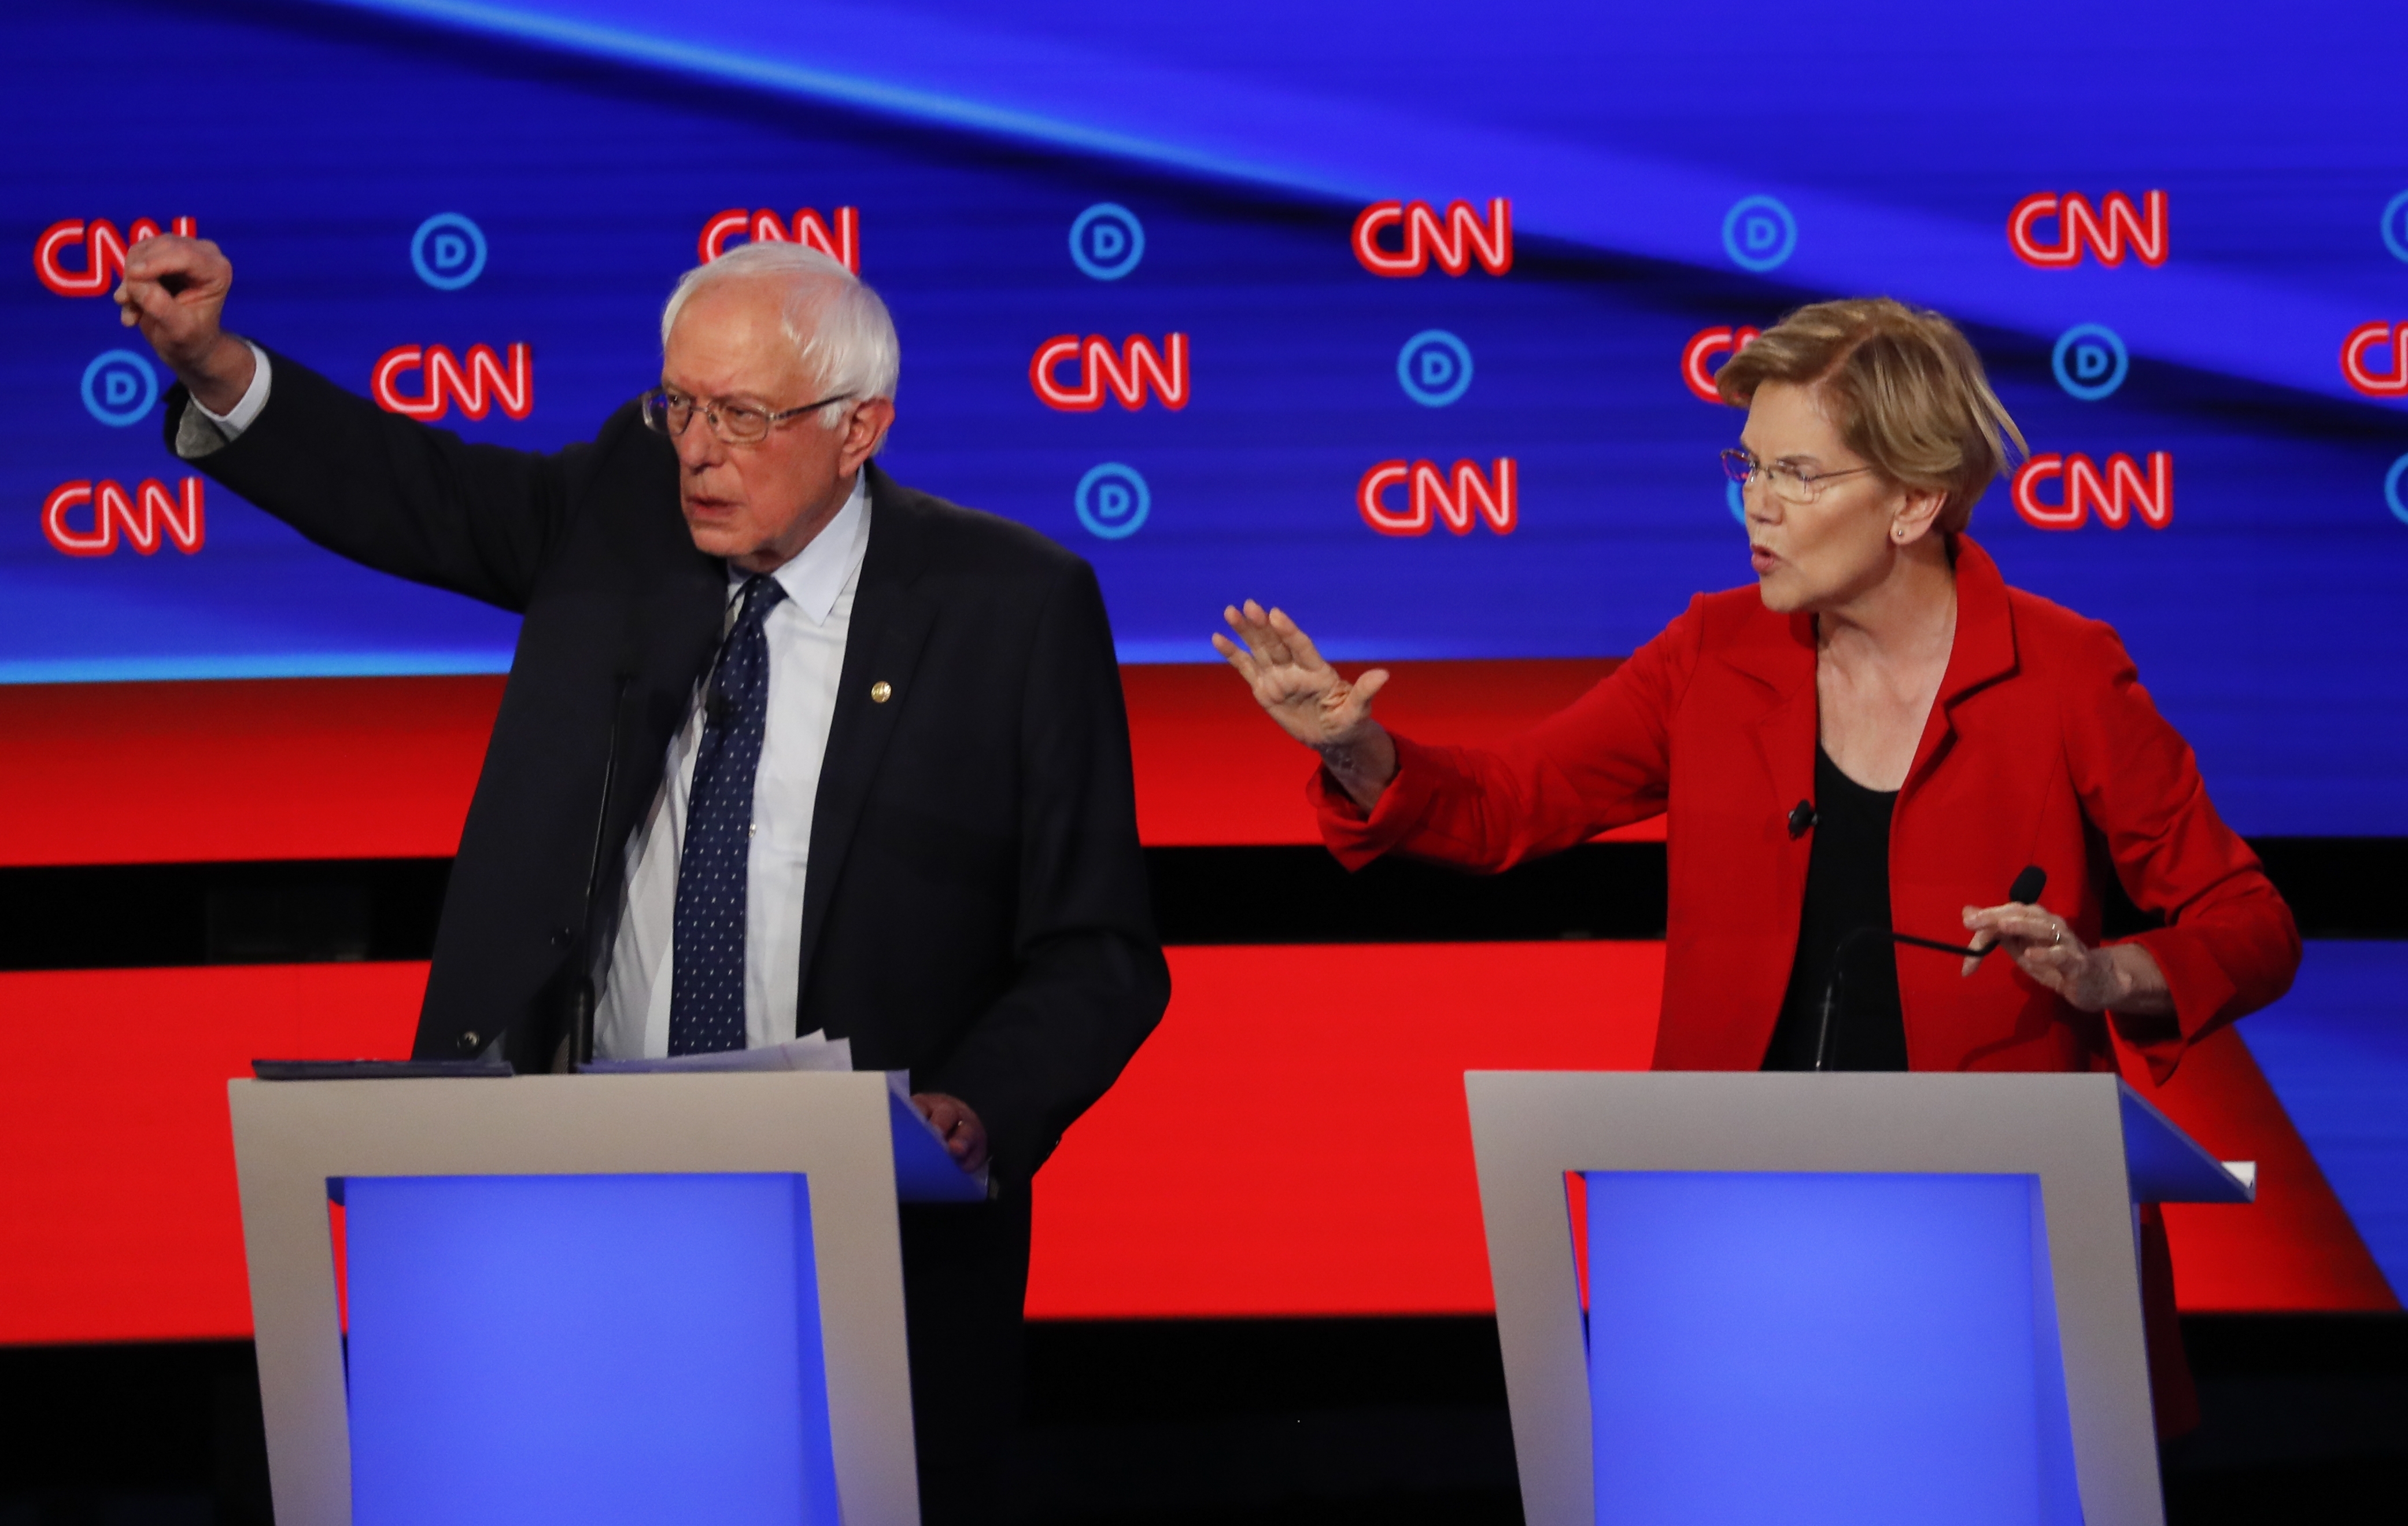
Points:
[[668, 413], [1790, 484]]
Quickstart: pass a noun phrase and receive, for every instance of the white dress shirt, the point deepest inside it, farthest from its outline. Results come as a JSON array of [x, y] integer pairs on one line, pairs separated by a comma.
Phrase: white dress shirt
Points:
[[806, 632]]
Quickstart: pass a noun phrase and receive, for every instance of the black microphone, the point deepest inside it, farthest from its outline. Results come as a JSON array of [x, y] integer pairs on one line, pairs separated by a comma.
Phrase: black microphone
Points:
[[2026, 890], [714, 706], [1801, 819], [581, 995]]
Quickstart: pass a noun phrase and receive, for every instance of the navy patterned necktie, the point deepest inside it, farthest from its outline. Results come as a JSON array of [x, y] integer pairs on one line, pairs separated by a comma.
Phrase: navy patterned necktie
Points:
[[706, 986]]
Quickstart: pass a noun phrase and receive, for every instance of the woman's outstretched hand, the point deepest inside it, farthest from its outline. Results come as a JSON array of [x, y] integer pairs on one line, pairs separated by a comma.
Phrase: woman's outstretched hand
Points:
[[1308, 698]]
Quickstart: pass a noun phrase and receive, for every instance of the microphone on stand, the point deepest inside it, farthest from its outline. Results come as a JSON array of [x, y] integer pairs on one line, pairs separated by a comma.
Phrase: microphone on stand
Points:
[[581, 995], [2025, 891]]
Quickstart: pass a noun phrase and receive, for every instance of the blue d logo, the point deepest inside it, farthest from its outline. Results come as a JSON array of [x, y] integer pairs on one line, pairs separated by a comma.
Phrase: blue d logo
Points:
[[1106, 241], [1434, 368], [2395, 227], [448, 252], [1758, 234], [119, 388], [1113, 501], [2089, 361]]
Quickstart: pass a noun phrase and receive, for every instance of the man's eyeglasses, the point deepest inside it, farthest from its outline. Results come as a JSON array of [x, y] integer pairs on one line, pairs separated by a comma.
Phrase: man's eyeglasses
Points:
[[1790, 484], [668, 413]]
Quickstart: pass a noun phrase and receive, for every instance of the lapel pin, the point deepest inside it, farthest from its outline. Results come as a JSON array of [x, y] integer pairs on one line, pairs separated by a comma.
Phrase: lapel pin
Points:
[[880, 692]]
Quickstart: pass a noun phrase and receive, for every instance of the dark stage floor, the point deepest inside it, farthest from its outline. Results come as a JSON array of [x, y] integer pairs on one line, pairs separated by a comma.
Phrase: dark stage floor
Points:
[[1178, 1423]]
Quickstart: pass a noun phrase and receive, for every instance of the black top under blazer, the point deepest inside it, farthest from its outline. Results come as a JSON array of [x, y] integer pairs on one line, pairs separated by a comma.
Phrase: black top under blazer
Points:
[[975, 908]]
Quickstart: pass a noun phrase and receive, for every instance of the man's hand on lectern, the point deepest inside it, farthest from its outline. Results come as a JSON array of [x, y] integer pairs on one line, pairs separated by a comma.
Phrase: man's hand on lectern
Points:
[[175, 291], [964, 1137]]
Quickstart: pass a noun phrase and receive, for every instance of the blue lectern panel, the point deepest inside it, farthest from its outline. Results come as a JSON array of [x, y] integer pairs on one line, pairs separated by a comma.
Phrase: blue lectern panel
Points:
[[1848, 1348], [586, 1348]]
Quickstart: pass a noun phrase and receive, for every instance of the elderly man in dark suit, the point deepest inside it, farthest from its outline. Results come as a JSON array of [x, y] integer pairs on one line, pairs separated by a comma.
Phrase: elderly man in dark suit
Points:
[[868, 758]]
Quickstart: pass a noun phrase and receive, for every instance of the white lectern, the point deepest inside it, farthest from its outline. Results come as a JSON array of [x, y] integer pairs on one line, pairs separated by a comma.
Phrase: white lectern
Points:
[[596, 1298], [1858, 1298]]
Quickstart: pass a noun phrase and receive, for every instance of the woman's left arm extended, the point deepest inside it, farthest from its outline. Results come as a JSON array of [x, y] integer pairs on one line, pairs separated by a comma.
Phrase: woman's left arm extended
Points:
[[2229, 946]]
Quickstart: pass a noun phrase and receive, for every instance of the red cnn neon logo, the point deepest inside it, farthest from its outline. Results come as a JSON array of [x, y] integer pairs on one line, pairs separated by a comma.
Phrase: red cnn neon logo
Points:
[[2367, 337], [1434, 497], [476, 387], [104, 257], [1126, 374], [1703, 346], [2103, 230], [139, 515], [2116, 495], [1454, 241], [763, 227]]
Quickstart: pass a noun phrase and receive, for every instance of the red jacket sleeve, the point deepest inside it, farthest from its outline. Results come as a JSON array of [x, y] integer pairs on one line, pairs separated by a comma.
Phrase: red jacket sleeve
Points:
[[1602, 763], [2229, 946]]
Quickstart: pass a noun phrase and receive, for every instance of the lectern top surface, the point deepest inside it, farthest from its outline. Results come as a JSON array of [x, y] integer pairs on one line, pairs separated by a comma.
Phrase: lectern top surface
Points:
[[1693, 1120]]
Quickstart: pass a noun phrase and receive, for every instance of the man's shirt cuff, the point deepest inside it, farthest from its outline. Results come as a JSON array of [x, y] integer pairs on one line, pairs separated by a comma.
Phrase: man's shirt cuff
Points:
[[201, 431]]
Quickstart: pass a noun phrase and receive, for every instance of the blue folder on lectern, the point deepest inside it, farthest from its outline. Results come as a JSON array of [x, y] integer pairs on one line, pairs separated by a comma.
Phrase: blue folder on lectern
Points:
[[600, 1299], [1870, 1300]]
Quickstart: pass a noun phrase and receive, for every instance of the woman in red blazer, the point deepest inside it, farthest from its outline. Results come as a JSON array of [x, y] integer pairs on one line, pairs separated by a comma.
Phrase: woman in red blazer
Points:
[[1880, 734]]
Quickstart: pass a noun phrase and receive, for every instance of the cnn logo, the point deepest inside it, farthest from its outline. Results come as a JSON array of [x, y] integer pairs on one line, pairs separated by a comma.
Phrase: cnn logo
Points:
[[476, 387], [2107, 231], [1127, 374], [2368, 339], [1454, 241], [841, 242], [1696, 357], [139, 516], [1453, 498], [103, 253], [2118, 495]]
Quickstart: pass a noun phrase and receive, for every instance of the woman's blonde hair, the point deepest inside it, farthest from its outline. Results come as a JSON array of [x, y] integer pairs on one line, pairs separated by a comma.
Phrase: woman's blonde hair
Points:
[[1902, 384]]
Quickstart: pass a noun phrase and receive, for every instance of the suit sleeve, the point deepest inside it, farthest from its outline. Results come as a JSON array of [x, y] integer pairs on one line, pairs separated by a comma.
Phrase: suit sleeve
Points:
[[1604, 762], [2229, 946], [1091, 981], [393, 493]]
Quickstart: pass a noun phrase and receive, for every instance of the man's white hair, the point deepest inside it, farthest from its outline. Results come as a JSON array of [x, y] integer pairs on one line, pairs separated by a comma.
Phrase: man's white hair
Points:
[[839, 326]]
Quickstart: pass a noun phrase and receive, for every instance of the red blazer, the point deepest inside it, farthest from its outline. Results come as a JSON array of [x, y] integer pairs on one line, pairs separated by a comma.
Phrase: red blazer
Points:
[[2042, 748]]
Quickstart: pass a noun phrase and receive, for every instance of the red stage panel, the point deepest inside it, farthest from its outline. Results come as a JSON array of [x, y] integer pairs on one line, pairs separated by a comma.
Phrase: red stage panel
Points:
[[1212, 769], [1293, 1140], [305, 768], [2295, 1247], [118, 1196], [1332, 1168], [370, 767]]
